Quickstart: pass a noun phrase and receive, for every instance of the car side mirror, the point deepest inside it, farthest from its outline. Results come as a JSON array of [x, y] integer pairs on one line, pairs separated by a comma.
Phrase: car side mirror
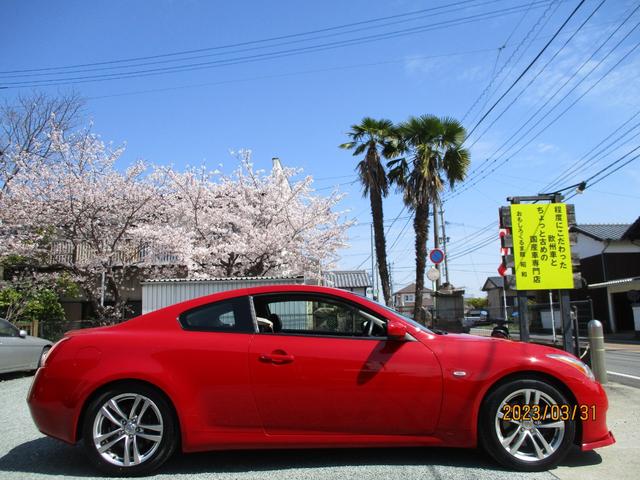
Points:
[[22, 334], [396, 330]]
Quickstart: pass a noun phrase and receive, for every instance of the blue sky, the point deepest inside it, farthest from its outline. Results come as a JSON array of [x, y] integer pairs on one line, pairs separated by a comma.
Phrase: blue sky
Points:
[[298, 107]]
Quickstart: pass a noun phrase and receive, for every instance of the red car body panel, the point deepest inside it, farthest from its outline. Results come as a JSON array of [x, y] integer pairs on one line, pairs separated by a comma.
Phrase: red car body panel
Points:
[[328, 391]]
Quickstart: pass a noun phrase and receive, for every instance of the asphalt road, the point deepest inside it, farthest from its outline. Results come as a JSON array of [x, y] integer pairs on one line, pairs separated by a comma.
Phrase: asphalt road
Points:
[[26, 454], [623, 366]]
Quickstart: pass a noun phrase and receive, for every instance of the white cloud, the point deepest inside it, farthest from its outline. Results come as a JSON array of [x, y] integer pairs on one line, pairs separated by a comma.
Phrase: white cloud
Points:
[[546, 148]]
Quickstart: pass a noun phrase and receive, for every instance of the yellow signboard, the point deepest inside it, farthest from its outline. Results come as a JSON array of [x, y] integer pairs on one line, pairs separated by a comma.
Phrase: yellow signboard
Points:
[[541, 250]]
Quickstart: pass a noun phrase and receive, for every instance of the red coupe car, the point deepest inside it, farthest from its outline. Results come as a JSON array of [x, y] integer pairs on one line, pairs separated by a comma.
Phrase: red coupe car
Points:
[[303, 366]]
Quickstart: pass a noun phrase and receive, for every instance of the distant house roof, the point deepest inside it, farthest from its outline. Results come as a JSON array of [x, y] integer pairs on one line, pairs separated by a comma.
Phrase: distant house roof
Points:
[[348, 278], [493, 282], [610, 231], [411, 288]]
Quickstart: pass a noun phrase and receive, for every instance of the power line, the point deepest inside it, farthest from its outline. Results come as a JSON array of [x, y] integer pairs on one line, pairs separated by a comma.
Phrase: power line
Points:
[[537, 75], [513, 54], [524, 72], [249, 49], [290, 74], [556, 118], [590, 184], [584, 160], [270, 55], [387, 232], [239, 44], [485, 166]]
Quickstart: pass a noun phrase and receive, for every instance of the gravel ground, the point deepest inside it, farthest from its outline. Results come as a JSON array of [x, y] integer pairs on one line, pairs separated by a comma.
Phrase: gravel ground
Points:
[[26, 454]]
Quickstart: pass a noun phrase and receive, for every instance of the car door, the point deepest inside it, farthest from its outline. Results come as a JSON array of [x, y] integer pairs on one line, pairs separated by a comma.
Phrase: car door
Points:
[[319, 372], [216, 342], [16, 353]]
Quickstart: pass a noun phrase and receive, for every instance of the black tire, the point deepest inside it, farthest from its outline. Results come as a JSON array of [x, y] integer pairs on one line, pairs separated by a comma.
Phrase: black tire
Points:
[[525, 458], [42, 354], [158, 451]]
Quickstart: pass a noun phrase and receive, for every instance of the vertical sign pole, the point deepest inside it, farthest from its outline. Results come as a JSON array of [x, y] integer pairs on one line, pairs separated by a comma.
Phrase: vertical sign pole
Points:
[[504, 299], [444, 245], [523, 308], [523, 316], [553, 317], [567, 324], [436, 237]]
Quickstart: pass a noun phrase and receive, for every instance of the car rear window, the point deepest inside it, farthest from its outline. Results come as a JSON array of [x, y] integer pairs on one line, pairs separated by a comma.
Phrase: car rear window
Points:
[[233, 315]]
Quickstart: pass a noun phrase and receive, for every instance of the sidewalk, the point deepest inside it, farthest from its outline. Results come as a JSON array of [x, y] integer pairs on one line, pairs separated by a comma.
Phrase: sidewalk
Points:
[[621, 460], [612, 341]]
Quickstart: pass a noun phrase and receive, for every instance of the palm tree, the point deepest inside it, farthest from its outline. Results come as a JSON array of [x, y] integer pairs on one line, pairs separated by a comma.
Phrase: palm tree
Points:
[[434, 156], [374, 138]]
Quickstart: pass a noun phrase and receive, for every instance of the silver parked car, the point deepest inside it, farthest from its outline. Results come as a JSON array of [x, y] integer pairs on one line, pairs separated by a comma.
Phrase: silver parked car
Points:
[[19, 351]]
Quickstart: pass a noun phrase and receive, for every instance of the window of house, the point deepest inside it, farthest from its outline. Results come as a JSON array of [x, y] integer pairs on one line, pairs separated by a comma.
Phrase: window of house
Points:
[[316, 314], [233, 315], [409, 297]]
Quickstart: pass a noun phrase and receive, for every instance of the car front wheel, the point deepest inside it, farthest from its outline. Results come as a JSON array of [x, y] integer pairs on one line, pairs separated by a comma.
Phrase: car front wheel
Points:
[[522, 425], [129, 430]]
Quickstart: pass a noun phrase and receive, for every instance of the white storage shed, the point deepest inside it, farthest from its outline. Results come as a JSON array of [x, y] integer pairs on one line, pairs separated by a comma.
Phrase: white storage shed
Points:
[[162, 293]]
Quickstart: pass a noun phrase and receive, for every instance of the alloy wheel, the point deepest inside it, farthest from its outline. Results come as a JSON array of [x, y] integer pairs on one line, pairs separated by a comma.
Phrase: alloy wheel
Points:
[[128, 429], [529, 439]]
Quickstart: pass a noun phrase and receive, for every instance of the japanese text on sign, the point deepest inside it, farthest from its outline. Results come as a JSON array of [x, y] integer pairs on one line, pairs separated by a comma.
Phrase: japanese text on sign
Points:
[[541, 250]]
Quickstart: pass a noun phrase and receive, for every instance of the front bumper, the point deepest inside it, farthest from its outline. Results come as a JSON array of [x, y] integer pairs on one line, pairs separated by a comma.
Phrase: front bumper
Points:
[[48, 409], [595, 433], [606, 441]]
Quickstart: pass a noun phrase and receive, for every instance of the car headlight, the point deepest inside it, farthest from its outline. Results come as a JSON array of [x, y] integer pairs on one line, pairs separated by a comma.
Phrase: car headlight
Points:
[[574, 362]]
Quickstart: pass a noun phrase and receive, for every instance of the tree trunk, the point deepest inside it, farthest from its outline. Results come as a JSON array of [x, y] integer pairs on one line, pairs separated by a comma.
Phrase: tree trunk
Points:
[[421, 227], [380, 243]]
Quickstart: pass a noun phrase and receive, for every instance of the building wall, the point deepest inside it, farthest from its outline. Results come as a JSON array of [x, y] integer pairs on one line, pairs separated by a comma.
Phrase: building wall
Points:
[[588, 247], [156, 295]]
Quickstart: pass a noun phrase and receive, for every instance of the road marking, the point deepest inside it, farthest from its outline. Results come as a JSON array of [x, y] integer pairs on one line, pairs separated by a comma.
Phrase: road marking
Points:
[[624, 375]]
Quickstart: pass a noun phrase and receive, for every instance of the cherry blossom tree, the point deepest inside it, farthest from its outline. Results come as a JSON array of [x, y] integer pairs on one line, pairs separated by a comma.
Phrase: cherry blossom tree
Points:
[[83, 216], [109, 228], [251, 223]]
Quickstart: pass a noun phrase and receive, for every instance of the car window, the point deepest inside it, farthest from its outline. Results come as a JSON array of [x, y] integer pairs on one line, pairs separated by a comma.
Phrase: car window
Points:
[[233, 315], [7, 330], [314, 314]]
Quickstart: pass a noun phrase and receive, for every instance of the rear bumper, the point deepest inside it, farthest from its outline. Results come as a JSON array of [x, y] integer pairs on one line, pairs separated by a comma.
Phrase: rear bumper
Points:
[[606, 441]]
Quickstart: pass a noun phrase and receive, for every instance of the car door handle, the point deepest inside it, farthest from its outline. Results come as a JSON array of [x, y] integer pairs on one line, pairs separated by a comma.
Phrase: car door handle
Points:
[[276, 358]]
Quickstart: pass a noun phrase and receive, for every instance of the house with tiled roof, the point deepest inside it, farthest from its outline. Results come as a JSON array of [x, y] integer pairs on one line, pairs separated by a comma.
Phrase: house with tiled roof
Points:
[[356, 281], [610, 266]]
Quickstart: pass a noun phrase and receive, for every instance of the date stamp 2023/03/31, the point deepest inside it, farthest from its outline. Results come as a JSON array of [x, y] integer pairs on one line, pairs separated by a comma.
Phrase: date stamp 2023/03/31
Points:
[[554, 412]]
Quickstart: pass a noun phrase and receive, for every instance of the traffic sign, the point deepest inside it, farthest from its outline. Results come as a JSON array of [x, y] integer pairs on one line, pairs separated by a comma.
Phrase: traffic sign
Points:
[[433, 274], [436, 256]]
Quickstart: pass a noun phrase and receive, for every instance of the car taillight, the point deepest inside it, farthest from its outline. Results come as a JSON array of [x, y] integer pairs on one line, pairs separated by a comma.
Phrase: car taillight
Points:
[[47, 356]]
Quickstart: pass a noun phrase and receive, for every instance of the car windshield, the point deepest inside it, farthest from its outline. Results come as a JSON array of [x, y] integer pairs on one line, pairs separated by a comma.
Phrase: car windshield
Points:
[[7, 329], [406, 318]]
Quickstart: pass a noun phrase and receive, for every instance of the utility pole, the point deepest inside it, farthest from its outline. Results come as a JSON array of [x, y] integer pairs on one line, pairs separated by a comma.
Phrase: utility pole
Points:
[[436, 237], [444, 245], [373, 273], [390, 270]]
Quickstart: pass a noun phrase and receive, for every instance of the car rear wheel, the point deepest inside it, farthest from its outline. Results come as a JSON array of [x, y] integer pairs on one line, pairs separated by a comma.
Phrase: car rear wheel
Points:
[[522, 425], [129, 430]]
